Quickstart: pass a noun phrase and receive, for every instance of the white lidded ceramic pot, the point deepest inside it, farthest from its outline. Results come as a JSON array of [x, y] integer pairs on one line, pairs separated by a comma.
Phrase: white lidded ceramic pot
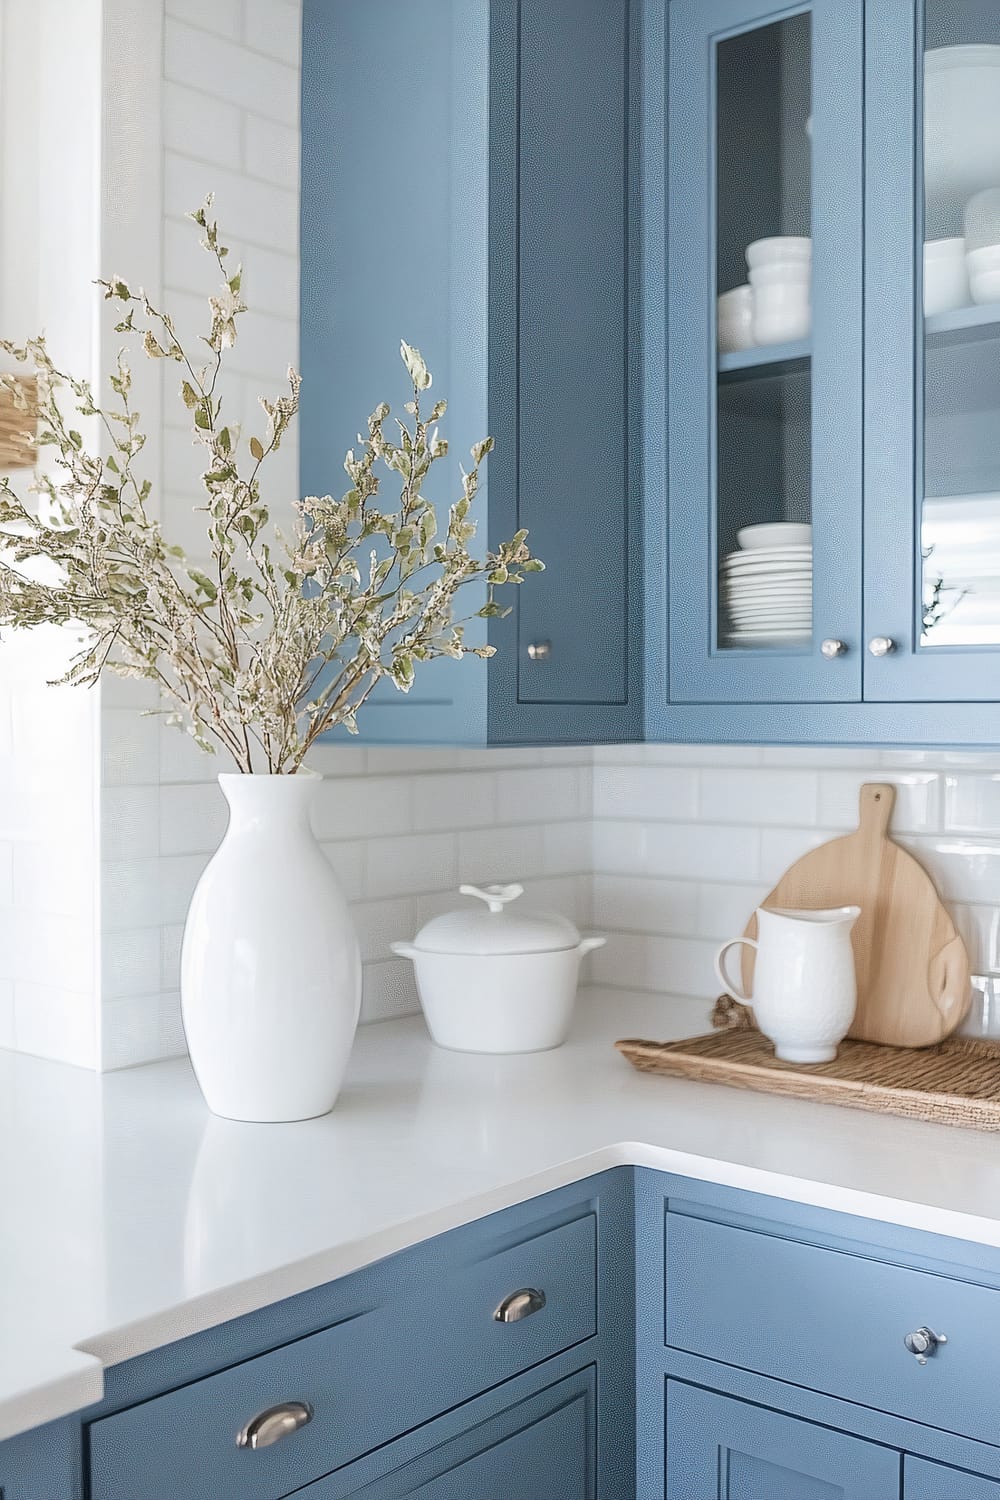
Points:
[[270, 967], [492, 979]]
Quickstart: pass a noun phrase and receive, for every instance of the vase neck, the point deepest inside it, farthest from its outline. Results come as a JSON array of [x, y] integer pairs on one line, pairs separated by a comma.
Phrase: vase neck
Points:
[[269, 802]]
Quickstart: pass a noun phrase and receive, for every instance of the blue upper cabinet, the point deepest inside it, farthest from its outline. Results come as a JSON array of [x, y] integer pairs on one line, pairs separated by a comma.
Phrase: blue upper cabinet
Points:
[[932, 583], [867, 406], [766, 152], [466, 185]]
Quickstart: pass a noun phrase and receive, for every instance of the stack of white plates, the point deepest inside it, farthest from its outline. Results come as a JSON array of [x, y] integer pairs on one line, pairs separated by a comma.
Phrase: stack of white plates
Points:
[[766, 592]]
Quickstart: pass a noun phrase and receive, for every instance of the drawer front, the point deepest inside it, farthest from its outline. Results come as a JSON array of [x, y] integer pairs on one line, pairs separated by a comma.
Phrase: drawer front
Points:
[[835, 1322], [366, 1380]]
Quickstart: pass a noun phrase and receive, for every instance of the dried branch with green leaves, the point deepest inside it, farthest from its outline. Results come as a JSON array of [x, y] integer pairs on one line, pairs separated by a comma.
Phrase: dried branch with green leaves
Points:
[[282, 637]]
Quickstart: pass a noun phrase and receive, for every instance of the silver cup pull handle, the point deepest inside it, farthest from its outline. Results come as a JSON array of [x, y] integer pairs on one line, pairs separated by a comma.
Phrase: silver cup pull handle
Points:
[[519, 1305], [275, 1423]]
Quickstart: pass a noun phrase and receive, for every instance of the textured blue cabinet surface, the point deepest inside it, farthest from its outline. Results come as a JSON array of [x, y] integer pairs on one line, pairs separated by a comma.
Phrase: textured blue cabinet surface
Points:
[[485, 217], [721, 1449], [741, 1346]]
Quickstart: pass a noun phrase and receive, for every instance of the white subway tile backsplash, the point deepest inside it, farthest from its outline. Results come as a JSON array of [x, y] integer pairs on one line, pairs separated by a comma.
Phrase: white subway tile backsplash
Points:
[[7, 1033], [500, 854], [142, 1028], [972, 803], [130, 748], [539, 795], [917, 807], [759, 797], [389, 990], [247, 209], [415, 862], [963, 869], [273, 27], [197, 125], [566, 847], [781, 847], [646, 792], [130, 822], [192, 818], [131, 961], [454, 800], [636, 903], [272, 151], [380, 923], [672, 965], [224, 17], [362, 807], [6, 874], [56, 1023], [233, 73]]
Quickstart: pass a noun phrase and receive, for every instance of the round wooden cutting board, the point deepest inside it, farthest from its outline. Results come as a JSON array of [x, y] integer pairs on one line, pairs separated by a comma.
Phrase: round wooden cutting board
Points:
[[912, 966]]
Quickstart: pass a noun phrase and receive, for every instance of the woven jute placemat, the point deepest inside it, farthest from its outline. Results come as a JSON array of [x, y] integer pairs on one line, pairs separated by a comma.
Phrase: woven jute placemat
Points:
[[955, 1083]]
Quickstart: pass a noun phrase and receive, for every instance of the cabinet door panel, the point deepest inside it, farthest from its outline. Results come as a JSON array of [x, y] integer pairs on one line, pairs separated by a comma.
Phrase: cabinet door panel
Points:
[[765, 141], [722, 1449], [932, 465], [541, 1448], [559, 397], [923, 1480]]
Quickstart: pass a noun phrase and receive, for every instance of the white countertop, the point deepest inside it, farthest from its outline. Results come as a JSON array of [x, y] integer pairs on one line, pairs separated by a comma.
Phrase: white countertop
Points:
[[131, 1216]]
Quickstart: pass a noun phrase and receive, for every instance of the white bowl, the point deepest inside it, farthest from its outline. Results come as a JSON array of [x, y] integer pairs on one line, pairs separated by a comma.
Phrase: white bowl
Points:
[[981, 220], [952, 248], [946, 278], [986, 258], [781, 273], [775, 534], [735, 320], [985, 286], [961, 129], [785, 327], [779, 247]]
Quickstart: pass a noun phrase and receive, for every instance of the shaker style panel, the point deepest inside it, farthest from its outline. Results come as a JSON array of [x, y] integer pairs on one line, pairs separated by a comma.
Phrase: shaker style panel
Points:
[[765, 350], [909, 1342], [923, 1480], [358, 1384], [719, 1448], [539, 1448], [932, 298]]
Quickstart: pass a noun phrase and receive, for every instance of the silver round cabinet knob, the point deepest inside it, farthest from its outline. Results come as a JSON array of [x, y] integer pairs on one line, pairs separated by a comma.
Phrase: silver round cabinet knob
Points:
[[540, 650], [881, 645], [831, 649], [922, 1343]]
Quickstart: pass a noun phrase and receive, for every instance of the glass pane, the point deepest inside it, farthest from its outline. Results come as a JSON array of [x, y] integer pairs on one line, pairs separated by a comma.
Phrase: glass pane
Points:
[[960, 518], [764, 284]]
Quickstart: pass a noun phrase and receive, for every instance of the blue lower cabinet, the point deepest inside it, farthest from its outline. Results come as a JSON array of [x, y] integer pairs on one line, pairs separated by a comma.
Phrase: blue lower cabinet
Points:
[[721, 1449], [929, 1481], [539, 1447]]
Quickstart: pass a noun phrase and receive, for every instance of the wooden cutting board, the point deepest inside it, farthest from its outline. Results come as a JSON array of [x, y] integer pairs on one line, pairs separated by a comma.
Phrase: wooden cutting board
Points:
[[912, 966]]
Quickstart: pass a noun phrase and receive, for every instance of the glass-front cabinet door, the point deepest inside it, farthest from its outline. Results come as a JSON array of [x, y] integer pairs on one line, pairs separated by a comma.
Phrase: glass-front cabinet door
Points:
[[765, 339], [932, 298]]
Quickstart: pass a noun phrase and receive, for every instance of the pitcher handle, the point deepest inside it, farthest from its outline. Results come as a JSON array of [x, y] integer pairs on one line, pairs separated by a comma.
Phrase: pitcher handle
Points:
[[720, 969]]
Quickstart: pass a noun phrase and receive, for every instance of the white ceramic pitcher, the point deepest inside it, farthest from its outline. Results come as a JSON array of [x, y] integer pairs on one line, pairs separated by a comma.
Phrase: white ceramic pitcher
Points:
[[805, 989]]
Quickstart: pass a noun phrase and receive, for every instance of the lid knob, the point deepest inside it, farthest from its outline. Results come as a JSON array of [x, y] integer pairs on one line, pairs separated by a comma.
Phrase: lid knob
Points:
[[495, 896]]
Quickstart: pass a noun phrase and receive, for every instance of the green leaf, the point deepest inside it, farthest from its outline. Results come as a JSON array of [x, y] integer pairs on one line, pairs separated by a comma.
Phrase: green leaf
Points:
[[190, 395]]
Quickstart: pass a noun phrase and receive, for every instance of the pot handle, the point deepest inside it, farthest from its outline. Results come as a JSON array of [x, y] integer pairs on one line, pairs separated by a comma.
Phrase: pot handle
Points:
[[495, 896], [405, 950], [587, 945]]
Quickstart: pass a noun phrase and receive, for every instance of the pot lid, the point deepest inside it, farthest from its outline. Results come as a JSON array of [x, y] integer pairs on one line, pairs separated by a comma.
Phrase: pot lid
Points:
[[493, 928]]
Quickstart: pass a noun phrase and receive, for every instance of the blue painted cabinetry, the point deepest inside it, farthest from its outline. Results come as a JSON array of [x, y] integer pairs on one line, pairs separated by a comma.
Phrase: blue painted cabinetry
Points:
[[467, 185], [842, 124]]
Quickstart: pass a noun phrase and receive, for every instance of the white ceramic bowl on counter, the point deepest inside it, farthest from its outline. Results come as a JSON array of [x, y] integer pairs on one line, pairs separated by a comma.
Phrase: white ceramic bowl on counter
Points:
[[495, 980]]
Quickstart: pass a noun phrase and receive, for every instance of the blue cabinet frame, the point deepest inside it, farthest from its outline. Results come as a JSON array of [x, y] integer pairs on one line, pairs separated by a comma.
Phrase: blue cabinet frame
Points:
[[490, 224], [701, 672]]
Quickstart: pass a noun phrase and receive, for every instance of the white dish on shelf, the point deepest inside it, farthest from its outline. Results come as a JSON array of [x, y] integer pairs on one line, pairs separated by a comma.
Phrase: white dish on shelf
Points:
[[769, 535], [985, 287], [961, 129], [734, 320], [766, 638], [779, 247], [750, 557], [946, 277], [782, 325], [985, 258], [791, 273]]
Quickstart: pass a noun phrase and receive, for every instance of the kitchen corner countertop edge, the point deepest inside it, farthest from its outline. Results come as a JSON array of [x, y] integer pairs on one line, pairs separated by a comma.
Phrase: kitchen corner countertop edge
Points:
[[133, 1217]]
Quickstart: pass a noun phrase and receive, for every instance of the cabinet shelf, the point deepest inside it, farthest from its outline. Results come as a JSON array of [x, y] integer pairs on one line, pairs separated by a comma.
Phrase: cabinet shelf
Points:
[[766, 362], [964, 325]]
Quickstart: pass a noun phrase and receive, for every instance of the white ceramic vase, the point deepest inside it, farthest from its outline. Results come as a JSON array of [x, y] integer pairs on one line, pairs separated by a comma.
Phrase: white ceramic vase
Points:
[[270, 968]]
